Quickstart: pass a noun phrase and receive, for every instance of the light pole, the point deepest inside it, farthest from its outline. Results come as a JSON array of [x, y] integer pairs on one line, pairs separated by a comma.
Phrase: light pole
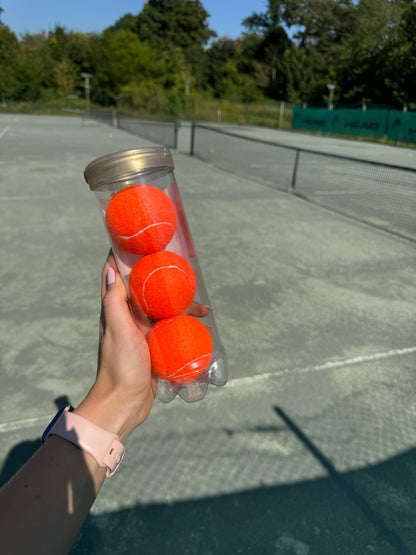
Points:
[[187, 86], [87, 77], [331, 96]]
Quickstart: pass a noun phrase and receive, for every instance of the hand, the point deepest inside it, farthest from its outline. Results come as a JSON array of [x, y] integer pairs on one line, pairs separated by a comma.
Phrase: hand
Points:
[[122, 395]]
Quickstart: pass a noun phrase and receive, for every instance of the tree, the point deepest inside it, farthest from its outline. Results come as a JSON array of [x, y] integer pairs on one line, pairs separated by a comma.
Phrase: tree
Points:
[[219, 53], [9, 50], [360, 66], [181, 23], [318, 23], [65, 76], [167, 24], [132, 59], [127, 22], [269, 48], [34, 68], [398, 57], [223, 74]]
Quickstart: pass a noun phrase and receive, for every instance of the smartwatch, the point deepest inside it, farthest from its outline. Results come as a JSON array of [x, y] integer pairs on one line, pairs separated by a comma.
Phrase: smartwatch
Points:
[[105, 447]]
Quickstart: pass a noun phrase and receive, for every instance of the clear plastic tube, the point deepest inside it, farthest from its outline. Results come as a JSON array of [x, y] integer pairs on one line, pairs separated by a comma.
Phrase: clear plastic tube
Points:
[[154, 166]]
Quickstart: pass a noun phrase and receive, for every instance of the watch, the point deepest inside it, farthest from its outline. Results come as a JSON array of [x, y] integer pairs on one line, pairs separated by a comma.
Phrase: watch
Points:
[[105, 447]]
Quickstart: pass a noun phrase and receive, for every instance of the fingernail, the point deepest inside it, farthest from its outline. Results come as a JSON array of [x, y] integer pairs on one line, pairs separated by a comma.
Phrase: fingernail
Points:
[[210, 308], [111, 276]]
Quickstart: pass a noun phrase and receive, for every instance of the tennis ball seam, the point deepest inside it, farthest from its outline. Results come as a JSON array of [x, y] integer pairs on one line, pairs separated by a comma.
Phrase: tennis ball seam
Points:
[[140, 231], [157, 270], [197, 371]]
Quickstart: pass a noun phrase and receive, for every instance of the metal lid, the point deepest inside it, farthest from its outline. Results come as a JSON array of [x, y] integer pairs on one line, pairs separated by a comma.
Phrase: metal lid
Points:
[[122, 165]]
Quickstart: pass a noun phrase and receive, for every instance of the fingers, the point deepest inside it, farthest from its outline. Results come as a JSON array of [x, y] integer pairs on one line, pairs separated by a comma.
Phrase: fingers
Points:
[[198, 310], [116, 310], [109, 263], [111, 281]]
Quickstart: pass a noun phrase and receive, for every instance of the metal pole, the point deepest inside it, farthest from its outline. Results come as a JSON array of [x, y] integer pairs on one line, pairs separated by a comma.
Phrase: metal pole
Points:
[[176, 131], [187, 85], [295, 171], [115, 118], [192, 139], [281, 114], [331, 96], [87, 77]]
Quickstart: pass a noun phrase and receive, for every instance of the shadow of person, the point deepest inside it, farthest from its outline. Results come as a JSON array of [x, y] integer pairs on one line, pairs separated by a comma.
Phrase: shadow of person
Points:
[[355, 511], [22, 452], [17, 457]]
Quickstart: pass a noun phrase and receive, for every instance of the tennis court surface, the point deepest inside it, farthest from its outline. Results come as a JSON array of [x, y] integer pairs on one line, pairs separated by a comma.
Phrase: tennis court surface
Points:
[[311, 446]]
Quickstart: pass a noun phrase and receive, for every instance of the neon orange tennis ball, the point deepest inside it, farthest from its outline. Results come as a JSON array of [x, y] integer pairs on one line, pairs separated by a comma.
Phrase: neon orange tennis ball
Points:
[[180, 348], [141, 219], [162, 284]]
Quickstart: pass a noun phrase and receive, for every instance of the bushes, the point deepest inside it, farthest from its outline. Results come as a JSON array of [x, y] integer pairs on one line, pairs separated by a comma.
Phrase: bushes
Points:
[[150, 99]]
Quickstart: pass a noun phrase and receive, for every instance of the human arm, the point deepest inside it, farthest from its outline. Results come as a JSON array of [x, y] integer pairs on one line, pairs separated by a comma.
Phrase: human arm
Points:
[[44, 505]]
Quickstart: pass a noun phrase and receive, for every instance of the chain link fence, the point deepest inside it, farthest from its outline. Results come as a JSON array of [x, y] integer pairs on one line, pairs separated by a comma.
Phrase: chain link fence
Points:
[[161, 132]]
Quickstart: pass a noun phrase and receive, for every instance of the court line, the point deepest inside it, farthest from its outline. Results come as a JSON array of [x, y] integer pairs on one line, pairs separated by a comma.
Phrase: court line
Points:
[[25, 198], [237, 382], [326, 366], [5, 130], [346, 192], [21, 424]]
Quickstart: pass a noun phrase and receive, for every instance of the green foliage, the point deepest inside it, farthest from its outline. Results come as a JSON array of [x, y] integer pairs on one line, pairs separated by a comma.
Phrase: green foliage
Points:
[[223, 74], [33, 67], [399, 56], [65, 76], [9, 48], [150, 99], [179, 23], [290, 51], [131, 59]]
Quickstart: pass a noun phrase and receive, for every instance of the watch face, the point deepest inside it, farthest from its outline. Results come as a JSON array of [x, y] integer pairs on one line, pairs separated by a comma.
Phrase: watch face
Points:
[[55, 420]]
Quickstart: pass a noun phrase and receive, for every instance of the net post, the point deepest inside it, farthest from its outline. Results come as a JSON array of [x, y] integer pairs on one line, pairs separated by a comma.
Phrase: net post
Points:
[[177, 125], [295, 172], [192, 139]]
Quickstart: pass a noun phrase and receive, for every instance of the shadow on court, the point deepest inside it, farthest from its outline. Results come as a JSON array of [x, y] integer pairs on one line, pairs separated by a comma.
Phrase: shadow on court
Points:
[[22, 452], [370, 510], [364, 511]]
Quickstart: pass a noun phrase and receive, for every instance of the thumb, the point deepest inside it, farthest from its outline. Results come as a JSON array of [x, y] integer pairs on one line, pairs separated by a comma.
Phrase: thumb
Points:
[[115, 306]]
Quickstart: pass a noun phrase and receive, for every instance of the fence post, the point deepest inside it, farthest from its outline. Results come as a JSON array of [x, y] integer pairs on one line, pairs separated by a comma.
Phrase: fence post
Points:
[[192, 139], [177, 125], [295, 171], [115, 119], [281, 115]]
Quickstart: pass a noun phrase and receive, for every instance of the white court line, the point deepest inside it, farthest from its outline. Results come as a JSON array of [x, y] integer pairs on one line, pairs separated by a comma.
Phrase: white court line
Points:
[[25, 197], [21, 424], [326, 366], [339, 192], [5, 130]]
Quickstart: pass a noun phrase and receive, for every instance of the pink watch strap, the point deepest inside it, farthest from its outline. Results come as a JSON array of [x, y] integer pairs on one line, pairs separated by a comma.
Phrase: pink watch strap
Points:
[[105, 447]]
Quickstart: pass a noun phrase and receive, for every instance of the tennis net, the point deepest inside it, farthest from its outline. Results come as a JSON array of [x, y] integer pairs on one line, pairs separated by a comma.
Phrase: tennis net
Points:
[[383, 195]]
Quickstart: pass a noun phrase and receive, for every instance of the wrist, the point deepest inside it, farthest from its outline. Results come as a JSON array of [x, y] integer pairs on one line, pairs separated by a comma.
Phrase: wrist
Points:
[[103, 446], [109, 410]]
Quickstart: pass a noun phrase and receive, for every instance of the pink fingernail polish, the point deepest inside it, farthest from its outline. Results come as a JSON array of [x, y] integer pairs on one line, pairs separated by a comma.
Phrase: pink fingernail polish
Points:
[[111, 276]]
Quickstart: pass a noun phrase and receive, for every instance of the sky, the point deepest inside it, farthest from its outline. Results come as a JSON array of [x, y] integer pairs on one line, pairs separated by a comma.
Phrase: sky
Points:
[[34, 16]]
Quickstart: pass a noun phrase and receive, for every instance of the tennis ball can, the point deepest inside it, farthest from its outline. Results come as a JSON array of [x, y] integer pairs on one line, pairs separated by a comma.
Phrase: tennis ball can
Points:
[[145, 219]]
